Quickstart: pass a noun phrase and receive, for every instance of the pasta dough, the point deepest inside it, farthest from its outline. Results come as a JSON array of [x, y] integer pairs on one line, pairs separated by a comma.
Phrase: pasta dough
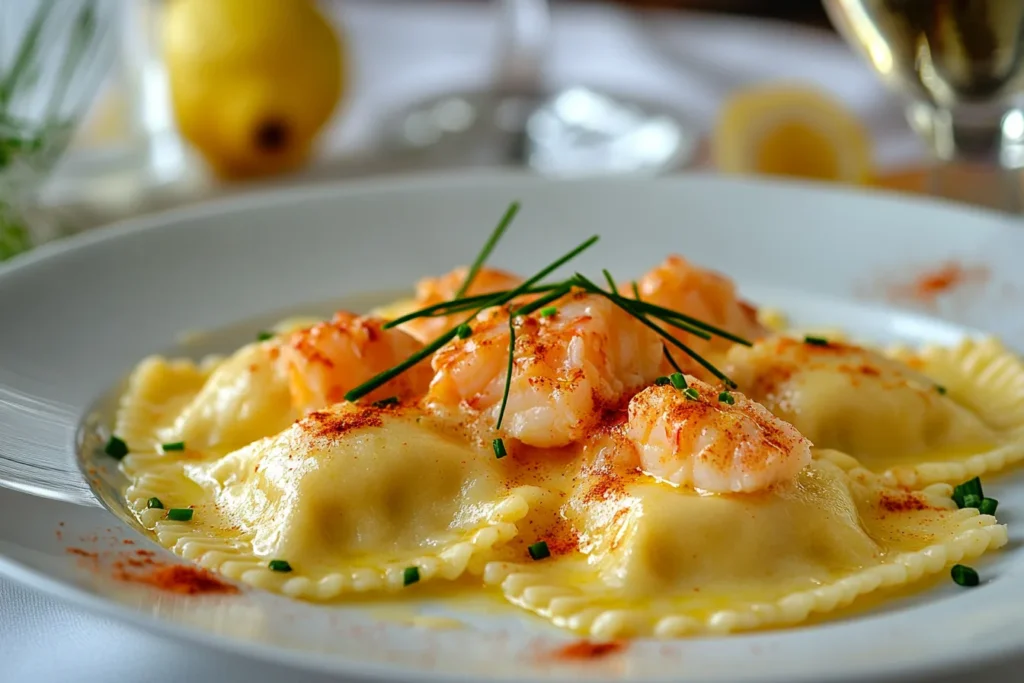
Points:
[[657, 560], [896, 419], [350, 497]]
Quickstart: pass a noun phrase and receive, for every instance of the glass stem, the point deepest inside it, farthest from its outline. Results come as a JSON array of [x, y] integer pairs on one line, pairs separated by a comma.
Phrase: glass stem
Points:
[[524, 38], [978, 161]]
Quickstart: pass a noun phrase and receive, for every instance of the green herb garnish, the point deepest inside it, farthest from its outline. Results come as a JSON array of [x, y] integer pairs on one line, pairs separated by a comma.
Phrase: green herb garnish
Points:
[[988, 506], [691, 394], [410, 576], [972, 501], [632, 307], [264, 335], [539, 550], [176, 446], [971, 487], [661, 381], [941, 389], [468, 303], [643, 311], [116, 448], [279, 566], [671, 361], [492, 241], [154, 503], [612, 287], [816, 341], [726, 397], [496, 299], [386, 402], [964, 575], [180, 514]]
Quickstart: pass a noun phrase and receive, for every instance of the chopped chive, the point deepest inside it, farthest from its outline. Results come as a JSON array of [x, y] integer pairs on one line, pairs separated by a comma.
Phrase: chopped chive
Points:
[[492, 241], [661, 381], [972, 501], [410, 576], [499, 448], [180, 514], [964, 575], [116, 448], [726, 397], [691, 394], [176, 446], [988, 506], [941, 389], [154, 503], [816, 341], [548, 311], [971, 487], [463, 331], [636, 290], [264, 335], [279, 566], [677, 379], [539, 550], [386, 402]]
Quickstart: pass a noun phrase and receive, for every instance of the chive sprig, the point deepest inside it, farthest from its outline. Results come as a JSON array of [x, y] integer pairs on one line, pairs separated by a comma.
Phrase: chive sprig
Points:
[[645, 312]]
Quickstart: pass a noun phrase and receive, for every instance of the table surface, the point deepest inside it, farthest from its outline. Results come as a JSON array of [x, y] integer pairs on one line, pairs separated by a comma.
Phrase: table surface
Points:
[[693, 62]]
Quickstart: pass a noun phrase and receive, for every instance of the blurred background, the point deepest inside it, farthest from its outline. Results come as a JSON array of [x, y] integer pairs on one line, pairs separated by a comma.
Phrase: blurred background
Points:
[[111, 108]]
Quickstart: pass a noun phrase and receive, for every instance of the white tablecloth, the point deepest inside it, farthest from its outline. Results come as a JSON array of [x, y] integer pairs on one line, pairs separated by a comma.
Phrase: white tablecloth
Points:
[[418, 48]]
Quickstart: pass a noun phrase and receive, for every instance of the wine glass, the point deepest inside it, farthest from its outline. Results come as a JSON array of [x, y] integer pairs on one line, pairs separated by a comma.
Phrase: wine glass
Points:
[[519, 121], [961, 65]]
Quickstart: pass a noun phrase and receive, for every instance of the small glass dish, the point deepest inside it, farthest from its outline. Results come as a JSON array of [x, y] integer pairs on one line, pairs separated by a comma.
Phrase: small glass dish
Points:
[[61, 53]]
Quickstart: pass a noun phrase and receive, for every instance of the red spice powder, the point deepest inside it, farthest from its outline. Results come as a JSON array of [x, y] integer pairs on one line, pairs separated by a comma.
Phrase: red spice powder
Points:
[[584, 650], [903, 501], [82, 553], [179, 579], [930, 284], [329, 425]]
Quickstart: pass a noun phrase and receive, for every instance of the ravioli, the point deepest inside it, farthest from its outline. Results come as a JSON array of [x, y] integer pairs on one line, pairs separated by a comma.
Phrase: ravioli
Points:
[[901, 421], [661, 561], [350, 497], [216, 407]]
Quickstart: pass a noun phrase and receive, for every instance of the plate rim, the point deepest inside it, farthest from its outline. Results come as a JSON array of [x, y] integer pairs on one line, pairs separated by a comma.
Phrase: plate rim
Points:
[[257, 197]]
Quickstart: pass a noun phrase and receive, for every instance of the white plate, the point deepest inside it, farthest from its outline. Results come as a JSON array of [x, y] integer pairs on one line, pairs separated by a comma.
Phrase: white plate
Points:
[[77, 315]]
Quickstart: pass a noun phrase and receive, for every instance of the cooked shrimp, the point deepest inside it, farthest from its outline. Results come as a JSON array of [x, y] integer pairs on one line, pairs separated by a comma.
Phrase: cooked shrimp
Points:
[[703, 294], [326, 360], [701, 441], [435, 290], [568, 367]]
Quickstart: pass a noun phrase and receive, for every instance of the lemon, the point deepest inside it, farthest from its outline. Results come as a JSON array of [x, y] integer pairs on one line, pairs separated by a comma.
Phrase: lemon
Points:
[[791, 131], [252, 81]]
